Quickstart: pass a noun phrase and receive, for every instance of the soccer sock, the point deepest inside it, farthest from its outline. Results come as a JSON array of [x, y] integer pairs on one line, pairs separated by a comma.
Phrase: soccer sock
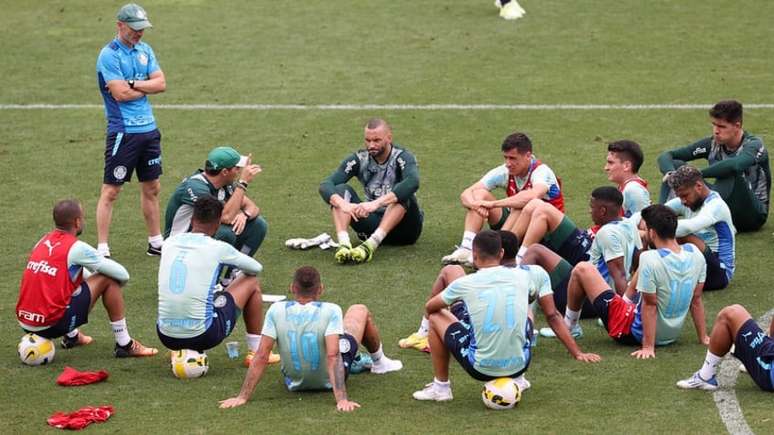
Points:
[[73, 333], [376, 238], [441, 384], [424, 327], [571, 317], [522, 251], [253, 341], [121, 332], [103, 249], [343, 237], [467, 240], [376, 356], [710, 366], [156, 241]]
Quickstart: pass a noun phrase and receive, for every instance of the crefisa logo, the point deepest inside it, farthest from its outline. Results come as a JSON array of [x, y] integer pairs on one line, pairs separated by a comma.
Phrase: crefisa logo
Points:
[[42, 267]]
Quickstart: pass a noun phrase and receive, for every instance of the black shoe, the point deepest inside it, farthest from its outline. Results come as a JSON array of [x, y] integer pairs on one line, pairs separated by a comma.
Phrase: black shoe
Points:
[[153, 252]]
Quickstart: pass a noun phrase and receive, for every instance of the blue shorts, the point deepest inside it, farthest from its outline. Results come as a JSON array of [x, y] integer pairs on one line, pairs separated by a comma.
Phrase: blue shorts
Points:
[[127, 152], [716, 274], [458, 339], [348, 348], [76, 314], [224, 319], [756, 351]]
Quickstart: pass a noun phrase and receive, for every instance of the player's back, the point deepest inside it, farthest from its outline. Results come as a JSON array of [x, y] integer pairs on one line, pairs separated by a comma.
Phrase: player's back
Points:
[[300, 331], [673, 278]]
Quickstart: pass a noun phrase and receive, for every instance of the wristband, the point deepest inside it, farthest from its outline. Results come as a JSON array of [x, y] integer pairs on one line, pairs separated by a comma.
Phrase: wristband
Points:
[[242, 185], [247, 215]]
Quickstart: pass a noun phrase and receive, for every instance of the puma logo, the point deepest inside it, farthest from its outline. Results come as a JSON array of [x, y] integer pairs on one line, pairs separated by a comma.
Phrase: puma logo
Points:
[[48, 245]]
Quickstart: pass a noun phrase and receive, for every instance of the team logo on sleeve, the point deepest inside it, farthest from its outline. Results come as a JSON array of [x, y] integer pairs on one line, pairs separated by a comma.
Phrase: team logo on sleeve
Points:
[[220, 301], [119, 172], [344, 345]]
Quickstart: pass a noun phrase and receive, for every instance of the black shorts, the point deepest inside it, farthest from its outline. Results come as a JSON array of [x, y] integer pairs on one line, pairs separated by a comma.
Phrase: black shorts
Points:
[[127, 152], [569, 242], [76, 314], [560, 277], [458, 339], [407, 231], [503, 217], [224, 319], [717, 279], [756, 351], [348, 348]]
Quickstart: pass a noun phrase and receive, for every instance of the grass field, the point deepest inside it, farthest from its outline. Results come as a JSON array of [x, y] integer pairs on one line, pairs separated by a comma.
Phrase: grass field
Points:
[[377, 52]]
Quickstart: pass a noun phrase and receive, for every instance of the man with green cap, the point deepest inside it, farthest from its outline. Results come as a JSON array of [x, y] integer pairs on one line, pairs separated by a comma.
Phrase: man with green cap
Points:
[[226, 176], [127, 72]]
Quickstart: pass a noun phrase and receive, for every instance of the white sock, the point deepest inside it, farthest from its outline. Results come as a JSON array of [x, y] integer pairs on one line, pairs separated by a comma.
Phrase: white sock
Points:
[[156, 241], [121, 332], [522, 251], [376, 356], [103, 249], [441, 384], [710, 366], [424, 327], [343, 237], [467, 240], [253, 341], [377, 237], [571, 317], [73, 333]]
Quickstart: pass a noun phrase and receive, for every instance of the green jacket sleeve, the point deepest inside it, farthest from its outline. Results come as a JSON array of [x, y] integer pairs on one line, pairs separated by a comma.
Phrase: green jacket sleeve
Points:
[[348, 168], [697, 150], [409, 182], [737, 164]]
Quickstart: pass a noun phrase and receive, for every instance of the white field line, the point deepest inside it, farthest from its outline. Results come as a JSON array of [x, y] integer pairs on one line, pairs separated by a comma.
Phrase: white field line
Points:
[[725, 397], [324, 107]]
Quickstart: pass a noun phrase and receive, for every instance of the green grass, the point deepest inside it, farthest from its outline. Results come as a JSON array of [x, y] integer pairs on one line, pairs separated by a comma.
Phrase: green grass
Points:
[[377, 53]]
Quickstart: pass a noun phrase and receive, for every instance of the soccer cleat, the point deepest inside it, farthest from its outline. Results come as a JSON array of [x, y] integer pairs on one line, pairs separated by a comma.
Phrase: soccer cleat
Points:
[[386, 365], [301, 243], [79, 340], [576, 332], [134, 349], [342, 255], [432, 392], [742, 368], [273, 358], [362, 254], [600, 323], [512, 11], [695, 382], [361, 363], [522, 383], [415, 341], [461, 256], [153, 251]]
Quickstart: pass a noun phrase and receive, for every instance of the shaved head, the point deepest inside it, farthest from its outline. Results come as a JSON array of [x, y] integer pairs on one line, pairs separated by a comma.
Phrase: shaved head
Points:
[[66, 212], [375, 123]]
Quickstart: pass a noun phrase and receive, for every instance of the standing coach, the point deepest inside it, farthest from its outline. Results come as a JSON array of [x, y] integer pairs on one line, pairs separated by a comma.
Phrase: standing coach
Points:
[[127, 72]]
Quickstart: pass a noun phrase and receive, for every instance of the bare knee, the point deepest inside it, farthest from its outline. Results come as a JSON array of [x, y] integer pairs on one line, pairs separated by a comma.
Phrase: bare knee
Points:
[[358, 310], [733, 312], [450, 272], [151, 188], [110, 192], [583, 269]]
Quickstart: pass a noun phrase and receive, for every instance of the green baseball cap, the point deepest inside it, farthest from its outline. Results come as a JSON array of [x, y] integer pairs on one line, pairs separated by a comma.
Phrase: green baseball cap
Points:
[[134, 16], [225, 158]]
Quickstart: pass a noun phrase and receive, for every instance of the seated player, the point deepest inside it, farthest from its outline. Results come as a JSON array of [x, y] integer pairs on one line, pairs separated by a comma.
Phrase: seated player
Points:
[[449, 273], [735, 327], [192, 314], [495, 342], [391, 213], [669, 280], [226, 176], [523, 177], [317, 350], [737, 160], [54, 299], [624, 159], [706, 223]]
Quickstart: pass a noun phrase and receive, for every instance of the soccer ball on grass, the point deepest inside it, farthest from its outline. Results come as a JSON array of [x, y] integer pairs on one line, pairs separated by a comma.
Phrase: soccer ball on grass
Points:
[[35, 350], [501, 393], [189, 364]]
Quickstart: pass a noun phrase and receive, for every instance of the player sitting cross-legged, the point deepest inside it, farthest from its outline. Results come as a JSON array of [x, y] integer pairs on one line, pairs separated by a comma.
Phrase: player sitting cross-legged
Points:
[[317, 347], [735, 327], [495, 341], [669, 280]]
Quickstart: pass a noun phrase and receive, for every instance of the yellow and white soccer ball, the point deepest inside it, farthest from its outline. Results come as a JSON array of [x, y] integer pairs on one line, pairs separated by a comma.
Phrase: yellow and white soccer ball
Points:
[[501, 393], [189, 364], [35, 350]]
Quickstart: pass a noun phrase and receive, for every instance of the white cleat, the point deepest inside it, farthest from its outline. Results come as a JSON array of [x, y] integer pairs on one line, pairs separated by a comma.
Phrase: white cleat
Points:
[[431, 392], [300, 243], [461, 256], [522, 383], [386, 365], [512, 11], [695, 382]]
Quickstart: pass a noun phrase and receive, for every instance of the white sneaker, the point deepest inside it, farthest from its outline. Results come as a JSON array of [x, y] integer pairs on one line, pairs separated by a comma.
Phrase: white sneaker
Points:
[[512, 11], [695, 382], [432, 392], [522, 383], [576, 332], [386, 365], [300, 243], [461, 255]]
